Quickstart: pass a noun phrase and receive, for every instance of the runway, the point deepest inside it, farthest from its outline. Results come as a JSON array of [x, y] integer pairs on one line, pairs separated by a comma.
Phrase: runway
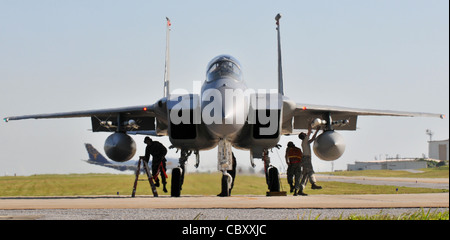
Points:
[[216, 208], [435, 183], [432, 200], [203, 214], [241, 207]]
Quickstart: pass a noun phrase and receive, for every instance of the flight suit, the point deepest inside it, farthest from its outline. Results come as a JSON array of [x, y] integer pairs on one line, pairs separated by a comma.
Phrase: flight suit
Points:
[[308, 172], [158, 152]]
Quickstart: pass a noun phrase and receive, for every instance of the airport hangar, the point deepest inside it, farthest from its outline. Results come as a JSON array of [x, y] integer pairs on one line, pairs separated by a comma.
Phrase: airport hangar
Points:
[[389, 164], [438, 149], [437, 152]]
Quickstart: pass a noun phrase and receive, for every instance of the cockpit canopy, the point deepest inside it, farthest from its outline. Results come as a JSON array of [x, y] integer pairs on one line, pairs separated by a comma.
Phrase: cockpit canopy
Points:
[[223, 66]]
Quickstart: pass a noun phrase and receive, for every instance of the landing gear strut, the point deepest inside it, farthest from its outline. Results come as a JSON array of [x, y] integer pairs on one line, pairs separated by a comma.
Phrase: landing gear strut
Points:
[[271, 172], [225, 163]]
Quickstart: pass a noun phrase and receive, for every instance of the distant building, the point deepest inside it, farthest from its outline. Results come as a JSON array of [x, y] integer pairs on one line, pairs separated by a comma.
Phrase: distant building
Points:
[[390, 164], [438, 150]]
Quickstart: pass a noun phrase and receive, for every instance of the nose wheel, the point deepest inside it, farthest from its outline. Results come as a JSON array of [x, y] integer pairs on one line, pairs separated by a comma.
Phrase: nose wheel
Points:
[[225, 164], [227, 180]]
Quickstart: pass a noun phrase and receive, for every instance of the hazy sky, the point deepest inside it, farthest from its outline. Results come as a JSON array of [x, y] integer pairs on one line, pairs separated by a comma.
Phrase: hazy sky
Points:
[[60, 56]]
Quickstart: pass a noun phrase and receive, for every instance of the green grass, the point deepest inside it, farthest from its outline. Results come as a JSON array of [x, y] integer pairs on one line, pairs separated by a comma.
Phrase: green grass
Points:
[[195, 184], [422, 214], [440, 172], [65, 185], [417, 215]]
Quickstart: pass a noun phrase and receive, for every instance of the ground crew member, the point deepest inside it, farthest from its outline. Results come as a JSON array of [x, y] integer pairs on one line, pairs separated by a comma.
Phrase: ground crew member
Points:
[[158, 152], [308, 172], [293, 159]]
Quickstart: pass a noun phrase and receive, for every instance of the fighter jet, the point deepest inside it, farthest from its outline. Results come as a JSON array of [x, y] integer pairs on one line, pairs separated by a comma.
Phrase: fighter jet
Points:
[[226, 114]]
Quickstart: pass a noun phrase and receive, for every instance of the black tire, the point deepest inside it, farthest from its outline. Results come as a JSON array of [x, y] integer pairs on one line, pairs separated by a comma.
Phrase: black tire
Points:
[[274, 181], [175, 189], [225, 190]]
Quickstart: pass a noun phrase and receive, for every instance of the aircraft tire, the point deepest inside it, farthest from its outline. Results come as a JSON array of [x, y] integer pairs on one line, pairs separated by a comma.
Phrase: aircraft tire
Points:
[[274, 181], [225, 190], [175, 190]]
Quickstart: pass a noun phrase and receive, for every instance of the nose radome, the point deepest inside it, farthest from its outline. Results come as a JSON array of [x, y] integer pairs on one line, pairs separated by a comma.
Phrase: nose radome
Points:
[[232, 116], [223, 130], [228, 125]]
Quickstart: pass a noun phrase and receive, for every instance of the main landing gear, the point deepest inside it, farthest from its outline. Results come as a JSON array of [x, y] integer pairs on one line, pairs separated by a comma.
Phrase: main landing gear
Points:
[[272, 175], [227, 165], [178, 172]]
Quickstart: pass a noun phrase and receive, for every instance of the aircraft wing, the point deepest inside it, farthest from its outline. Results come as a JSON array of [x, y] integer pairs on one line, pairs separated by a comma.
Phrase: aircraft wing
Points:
[[305, 113], [107, 120], [136, 110]]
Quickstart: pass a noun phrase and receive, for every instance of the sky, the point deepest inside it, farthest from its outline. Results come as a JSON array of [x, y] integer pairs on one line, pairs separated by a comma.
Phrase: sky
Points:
[[59, 56]]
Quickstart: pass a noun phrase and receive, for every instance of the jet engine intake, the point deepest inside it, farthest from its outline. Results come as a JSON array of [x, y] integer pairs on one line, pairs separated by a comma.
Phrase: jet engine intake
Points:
[[120, 147], [329, 146]]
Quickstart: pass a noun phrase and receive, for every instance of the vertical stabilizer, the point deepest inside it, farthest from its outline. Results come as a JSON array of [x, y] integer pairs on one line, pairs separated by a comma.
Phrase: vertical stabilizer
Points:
[[280, 70], [167, 65], [94, 155]]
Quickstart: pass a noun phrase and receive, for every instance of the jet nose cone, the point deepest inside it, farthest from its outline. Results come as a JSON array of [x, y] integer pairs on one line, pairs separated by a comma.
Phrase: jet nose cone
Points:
[[223, 130], [226, 114], [228, 123]]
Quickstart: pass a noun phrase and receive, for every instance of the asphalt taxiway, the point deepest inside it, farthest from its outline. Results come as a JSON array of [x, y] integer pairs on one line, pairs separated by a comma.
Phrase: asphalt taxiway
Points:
[[432, 200], [118, 207], [217, 208], [435, 183], [204, 214]]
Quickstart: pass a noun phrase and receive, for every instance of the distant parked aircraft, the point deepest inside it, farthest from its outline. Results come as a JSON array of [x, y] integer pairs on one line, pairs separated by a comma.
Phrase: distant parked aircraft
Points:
[[96, 158]]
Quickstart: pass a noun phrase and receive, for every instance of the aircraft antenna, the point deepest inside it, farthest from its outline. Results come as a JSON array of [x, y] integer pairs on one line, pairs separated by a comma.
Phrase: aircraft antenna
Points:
[[167, 63], [430, 133], [280, 70]]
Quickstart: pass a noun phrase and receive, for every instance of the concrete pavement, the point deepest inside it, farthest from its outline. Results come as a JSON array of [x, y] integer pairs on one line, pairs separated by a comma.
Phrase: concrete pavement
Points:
[[436, 183], [433, 200]]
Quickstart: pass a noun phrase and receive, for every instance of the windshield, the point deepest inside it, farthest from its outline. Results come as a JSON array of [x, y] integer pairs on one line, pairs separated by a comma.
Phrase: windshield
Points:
[[223, 69]]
